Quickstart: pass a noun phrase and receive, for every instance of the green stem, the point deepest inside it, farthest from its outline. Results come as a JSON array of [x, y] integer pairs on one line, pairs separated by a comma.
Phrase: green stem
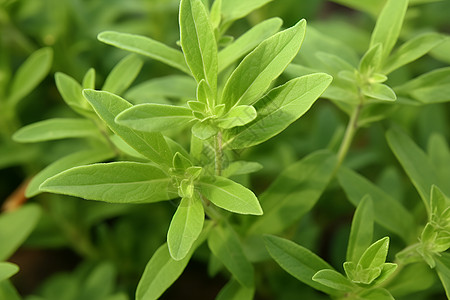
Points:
[[352, 127]]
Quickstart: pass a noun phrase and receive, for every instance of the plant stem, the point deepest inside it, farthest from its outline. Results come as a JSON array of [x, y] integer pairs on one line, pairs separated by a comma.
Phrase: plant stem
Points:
[[352, 127], [218, 153]]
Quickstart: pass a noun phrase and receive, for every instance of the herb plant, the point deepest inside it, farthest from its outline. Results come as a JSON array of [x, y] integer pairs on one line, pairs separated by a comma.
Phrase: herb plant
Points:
[[173, 160]]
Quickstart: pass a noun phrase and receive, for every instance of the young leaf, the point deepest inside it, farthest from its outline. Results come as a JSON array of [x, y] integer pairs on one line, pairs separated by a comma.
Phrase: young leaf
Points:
[[116, 182], [185, 228], [379, 91], [145, 46], [204, 130], [266, 63], [387, 211], [248, 41], [55, 129], [334, 280], [412, 50], [233, 290], [30, 74], [294, 192], [236, 9], [237, 116], [123, 74], [371, 61], [215, 14], [230, 195], [240, 168], [89, 79], [108, 106], [198, 42], [278, 109], [375, 255], [72, 160], [388, 26], [297, 261], [71, 92], [361, 231], [16, 226], [226, 246], [7, 270], [162, 270], [386, 271], [154, 117]]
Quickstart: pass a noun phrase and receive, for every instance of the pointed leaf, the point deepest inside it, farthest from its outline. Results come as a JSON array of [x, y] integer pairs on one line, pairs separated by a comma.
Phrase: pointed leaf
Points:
[[185, 228], [266, 63], [145, 46], [55, 129], [7, 270], [71, 92], [362, 230], [237, 116], [377, 294], [154, 117], [233, 290], [8, 291], [375, 255], [386, 271], [89, 79], [151, 145], [379, 91], [116, 182], [123, 74], [198, 42], [236, 9], [230, 195], [226, 246], [334, 280], [371, 61]]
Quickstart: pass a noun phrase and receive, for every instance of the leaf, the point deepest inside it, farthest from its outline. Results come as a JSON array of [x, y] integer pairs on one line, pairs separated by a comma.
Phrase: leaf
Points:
[[7, 270], [237, 116], [379, 91], [226, 246], [55, 129], [412, 50], [30, 74], [229, 195], [89, 79], [162, 270], [388, 26], [371, 6], [145, 46], [375, 255], [233, 290], [248, 41], [443, 270], [198, 42], [388, 212], [154, 117], [377, 294], [334, 280], [240, 168], [407, 282], [297, 261], [266, 62], [185, 228], [8, 291], [215, 13], [386, 272], [151, 145], [431, 87], [16, 226], [116, 182], [371, 61], [72, 160], [362, 230], [294, 192], [235, 9], [204, 130], [278, 109], [415, 163], [123, 74], [99, 283]]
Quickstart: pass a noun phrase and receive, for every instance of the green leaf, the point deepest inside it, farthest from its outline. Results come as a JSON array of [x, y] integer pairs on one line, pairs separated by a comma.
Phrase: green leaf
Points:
[[278, 109], [55, 129], [375, 255], [388, 212], [388, 26], [30, 74], [431, 87], [362, 230], [71, 92], [215, 14], [415, 162], [230, 195], [8, 291], [379, 91], [185, 228], [412, 50], [236, 9], [99, 283], [15, 227], [151, 145], [377, 294], [162, 270], [294, 192], [248, 41], [116, 182], [7, 270], [371, 6], [198, 42], [145, 46], [226, 246], [371, 61], [204, 130], [297, 261], [334, 280], [240, 168], [443, 270], [72, 160], [237, 116], [89, 79], [406, 281], [266, 62], [123, 74], [386, 272], [233, 290]]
